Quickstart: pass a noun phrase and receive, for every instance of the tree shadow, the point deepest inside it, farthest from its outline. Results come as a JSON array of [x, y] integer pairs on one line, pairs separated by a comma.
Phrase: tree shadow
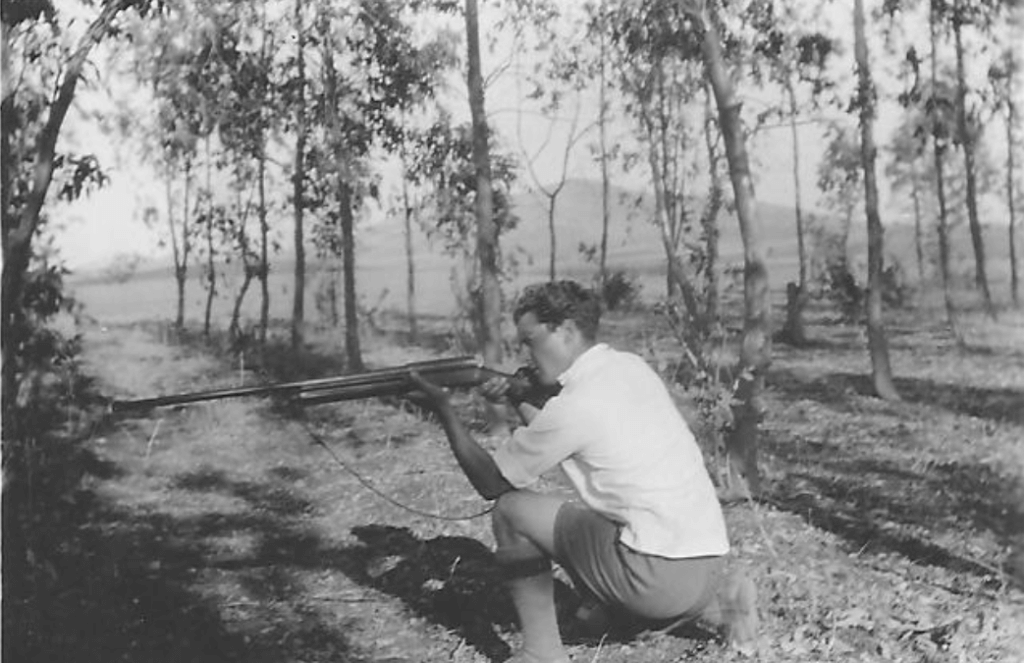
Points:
[[879, 505], [834, 389]]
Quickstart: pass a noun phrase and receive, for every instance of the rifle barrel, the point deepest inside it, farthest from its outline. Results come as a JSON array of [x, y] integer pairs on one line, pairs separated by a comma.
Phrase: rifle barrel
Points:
[[452, 372]]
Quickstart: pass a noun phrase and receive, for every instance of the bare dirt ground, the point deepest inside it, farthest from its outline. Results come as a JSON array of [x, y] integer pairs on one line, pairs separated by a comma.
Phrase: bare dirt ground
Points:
[[225, 532]]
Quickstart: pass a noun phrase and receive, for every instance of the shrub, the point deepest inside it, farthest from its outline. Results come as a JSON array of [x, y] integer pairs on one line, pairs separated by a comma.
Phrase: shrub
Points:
[[620, 291]]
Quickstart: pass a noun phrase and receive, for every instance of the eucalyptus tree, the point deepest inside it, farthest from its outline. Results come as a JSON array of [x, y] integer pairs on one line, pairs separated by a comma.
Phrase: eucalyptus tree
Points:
[[795, 55], [1004, 76], [43, 63], [658, 58], [487, 245], [881, 369]]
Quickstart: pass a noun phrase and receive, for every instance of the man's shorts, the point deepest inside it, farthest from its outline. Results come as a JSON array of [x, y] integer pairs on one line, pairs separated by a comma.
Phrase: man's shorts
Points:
[[587, 545]]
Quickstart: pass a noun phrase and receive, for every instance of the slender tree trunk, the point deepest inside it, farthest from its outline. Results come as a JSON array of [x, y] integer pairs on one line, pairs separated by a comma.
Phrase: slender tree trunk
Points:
[[967, 143], [211, 273], [264, 270], [915, 192], [755, 352], [602, 121], [795, 331], [410, 258], [939, 141], [551, 237], [487, 229], [881, 371], [179, 254], [353, 353], [298, 188], [1011, 180], [709, 220]]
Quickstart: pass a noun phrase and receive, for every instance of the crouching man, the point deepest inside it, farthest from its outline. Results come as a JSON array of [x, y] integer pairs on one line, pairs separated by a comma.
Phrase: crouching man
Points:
[[647, 534]]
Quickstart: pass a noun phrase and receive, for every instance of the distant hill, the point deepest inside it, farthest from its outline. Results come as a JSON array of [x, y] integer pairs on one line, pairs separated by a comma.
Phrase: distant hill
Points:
[[634, 246]]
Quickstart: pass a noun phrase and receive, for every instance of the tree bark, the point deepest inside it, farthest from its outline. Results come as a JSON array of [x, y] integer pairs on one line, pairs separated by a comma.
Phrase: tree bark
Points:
[[298, 190], [915, 193], [1011, 181], [602, 122], [264, 272], [881, 371], [967, 143], [353, 353], [755, 352], [410, 261], [487, 229], [796, 298], [939, 142]]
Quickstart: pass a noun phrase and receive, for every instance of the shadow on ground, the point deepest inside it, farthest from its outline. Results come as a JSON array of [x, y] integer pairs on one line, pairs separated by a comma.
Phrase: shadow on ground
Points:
[[834, 389], [881, 505]]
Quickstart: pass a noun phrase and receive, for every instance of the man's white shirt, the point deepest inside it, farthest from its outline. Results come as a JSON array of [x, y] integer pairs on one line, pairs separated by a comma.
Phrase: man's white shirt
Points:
[[622, 443]]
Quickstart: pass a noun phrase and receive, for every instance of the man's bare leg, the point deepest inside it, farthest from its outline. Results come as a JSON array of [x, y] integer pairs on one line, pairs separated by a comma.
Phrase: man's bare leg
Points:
[[524, 529]]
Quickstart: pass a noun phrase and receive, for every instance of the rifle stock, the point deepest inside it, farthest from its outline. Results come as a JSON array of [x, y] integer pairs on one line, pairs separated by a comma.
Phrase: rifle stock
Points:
[[454, 373]]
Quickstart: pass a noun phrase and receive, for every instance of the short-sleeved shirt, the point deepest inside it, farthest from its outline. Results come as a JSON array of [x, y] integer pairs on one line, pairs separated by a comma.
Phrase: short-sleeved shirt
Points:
[[629, 454]]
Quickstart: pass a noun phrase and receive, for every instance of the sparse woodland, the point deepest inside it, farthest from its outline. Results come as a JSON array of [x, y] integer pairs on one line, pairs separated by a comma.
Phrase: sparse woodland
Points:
[[855, 373]]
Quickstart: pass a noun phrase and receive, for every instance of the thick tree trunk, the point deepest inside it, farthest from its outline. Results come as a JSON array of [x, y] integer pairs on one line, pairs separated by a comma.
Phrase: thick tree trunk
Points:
[[487, 230], [298, 189], [881, 371], [755, 353], [967, 143], [709, 220]]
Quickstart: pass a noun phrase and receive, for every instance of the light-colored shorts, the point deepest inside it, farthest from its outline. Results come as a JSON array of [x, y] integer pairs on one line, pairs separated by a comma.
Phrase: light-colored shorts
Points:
[[587, 545]]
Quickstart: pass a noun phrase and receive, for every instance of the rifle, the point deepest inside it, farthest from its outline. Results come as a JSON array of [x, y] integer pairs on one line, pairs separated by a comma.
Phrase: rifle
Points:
[[455, 373]]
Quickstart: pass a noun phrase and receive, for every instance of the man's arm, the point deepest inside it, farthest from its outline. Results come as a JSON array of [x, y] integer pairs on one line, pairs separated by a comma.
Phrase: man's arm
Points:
[[476, 462]]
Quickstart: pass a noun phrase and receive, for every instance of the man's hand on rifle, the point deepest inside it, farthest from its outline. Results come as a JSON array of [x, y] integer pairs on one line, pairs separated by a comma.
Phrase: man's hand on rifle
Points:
[[428, 394]]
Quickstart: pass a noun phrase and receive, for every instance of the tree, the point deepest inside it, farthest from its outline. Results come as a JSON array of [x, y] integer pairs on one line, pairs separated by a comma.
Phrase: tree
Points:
[[1003, 77], [881, 371], [741, 443], [488, 251], [38, 122], [962, 14], [905, 171], [299, 182]]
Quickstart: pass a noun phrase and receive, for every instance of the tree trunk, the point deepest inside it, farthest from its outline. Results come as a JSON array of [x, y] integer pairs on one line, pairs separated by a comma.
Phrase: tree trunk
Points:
[[796, 297], [19, 227], [551, 237], [602, 120], [1011, 175], [915, 192], [179, 253], [939, 141], [353, 353], [755, 352], [881, 371], [709, 220], [487, 229], [264, 274], [410, 262], [967, 143], [298, 189], [1010, 199]]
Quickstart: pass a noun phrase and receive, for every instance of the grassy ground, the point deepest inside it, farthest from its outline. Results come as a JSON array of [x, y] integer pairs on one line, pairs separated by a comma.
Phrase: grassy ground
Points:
[[222, 532]]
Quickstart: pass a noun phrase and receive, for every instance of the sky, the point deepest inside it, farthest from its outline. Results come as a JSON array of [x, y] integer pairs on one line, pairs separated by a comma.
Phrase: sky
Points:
[[109, 223]]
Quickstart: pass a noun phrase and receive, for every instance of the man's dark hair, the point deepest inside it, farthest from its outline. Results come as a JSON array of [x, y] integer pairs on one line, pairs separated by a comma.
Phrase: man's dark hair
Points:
[[557, 301]]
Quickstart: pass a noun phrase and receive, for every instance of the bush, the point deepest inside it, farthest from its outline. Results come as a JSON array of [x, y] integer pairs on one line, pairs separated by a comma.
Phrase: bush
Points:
[[620, 291]]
